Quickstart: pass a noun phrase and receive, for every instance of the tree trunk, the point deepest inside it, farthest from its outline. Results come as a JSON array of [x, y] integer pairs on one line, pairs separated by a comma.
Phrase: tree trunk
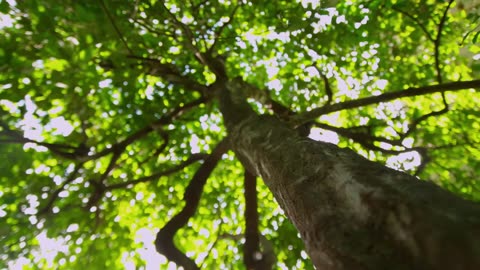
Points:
[[353, 213]]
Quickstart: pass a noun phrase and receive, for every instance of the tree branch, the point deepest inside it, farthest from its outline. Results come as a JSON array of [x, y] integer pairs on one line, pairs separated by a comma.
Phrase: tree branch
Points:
[[150, 29], [366, 140], [187, 33], [51, 200], [251, 248], [429, 36], [76, 153], [112, 21], [438, 43], [99, 185], [165, 120], [219, 31], [193, 158], [410, 92], [170, 73], [262, 96], [164, 240], [328, 89], [166, 138], [413, 125]]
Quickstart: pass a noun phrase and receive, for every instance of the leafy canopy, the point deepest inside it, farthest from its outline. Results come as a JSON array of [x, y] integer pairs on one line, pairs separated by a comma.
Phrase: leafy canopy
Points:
[[106, 115]]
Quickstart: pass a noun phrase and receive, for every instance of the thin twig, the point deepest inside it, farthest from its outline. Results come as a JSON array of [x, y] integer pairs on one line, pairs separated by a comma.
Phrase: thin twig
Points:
[[424, 29], [219, 31], [438, 43], [56, 193], [112, 21], [190, 43], [191, 160]]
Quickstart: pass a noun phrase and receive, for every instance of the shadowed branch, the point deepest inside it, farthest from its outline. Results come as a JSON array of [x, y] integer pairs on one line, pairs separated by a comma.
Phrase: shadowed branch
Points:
[[164, 240], [251, 248], [410, 92]]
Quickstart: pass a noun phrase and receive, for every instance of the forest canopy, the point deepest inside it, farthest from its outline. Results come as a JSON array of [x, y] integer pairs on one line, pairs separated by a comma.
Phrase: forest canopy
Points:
[[109, 130]]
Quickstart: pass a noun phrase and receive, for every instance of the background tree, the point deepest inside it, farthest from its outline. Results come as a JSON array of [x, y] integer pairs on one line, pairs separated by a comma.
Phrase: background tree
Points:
[[110, 128]]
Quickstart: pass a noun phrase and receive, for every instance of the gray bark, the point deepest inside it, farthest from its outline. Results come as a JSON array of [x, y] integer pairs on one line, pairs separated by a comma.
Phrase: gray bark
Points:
[[353, 213]]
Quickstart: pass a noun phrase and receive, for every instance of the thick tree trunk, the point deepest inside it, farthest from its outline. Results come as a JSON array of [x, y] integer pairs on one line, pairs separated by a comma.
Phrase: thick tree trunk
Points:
[[353, 213]]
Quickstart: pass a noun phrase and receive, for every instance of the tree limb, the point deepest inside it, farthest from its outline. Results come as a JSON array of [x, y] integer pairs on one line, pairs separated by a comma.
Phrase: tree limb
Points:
[[415, 19], [164, 120], [219, 31], [413, 125], [164, 240], [169, 73], [410, 92], [251, 248], [437, 42], [193, 158], [187, 33], [117, 30]]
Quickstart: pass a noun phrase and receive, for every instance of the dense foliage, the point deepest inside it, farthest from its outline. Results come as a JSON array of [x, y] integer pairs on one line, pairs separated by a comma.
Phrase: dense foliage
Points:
[[105, 115]]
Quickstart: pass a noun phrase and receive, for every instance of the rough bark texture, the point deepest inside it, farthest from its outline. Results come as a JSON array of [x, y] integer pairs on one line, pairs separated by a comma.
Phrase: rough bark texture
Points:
[[353, 213]]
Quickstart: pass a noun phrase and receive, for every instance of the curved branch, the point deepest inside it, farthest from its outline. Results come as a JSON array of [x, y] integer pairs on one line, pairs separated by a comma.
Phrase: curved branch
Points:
[[410, 92], [164, 240], [415, 19], [413, 125]]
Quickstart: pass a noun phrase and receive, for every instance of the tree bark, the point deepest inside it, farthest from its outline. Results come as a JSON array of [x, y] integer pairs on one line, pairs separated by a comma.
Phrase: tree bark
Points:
[[352, 213]]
